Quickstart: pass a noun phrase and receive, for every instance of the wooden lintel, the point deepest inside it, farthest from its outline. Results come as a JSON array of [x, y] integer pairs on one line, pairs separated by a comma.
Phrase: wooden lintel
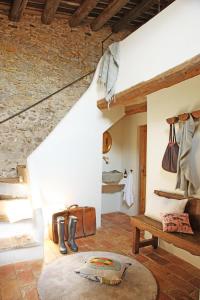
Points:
[[184, 71], [107, 13], [132, 15], [49, 11], [17, 10], [136, 108], [82, 12]]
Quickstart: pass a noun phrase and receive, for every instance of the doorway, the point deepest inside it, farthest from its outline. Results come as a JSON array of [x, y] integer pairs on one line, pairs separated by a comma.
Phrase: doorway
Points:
[[142, 167]]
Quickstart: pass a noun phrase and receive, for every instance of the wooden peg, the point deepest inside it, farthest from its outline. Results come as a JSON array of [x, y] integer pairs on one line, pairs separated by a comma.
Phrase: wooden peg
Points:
[[183, 117], [196, 114], [172, 120]]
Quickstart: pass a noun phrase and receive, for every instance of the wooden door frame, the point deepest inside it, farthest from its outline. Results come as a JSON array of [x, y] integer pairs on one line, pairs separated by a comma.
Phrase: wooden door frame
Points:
[[142, 169]]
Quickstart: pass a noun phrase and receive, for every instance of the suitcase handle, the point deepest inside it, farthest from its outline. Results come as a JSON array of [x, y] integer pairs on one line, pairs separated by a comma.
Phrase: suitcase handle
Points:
[[72, 206]]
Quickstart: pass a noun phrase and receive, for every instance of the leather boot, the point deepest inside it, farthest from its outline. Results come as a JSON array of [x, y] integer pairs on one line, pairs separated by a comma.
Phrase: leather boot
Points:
[[71, 233], [61, 235]]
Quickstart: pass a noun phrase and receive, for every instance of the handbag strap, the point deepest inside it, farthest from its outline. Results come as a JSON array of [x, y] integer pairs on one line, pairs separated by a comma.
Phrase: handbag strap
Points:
[[174, 134], [170, 134]]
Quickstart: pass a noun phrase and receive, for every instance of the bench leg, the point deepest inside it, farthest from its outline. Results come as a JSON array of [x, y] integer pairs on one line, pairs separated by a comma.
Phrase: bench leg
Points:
[[155, 242], [136, 240]]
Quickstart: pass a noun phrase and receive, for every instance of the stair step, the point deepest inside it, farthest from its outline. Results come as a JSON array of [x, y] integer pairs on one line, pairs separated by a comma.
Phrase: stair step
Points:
[[17, 179], [12, 197], [16, 190]]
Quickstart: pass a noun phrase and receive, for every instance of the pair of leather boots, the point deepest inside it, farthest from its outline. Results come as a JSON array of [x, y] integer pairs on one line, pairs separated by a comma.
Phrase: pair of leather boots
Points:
[[71, 234]]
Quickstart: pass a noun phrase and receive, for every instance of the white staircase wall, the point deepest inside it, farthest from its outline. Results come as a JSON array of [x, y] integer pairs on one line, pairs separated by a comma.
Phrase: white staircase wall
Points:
[[67, 166]]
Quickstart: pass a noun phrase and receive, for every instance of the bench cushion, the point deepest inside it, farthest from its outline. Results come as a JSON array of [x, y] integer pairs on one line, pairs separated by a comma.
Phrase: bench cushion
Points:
[[184, 241]]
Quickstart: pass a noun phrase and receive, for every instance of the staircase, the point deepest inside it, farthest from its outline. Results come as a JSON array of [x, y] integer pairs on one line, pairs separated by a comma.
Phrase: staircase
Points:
[[19, 239]]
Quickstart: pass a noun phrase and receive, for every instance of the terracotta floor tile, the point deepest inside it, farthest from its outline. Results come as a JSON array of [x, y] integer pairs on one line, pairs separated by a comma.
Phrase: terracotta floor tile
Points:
[[196, 282], [25, 277], [186, 286], [11, 290], [29, 292], [179, 295], [158, 259], [7, 272], [22, 266], [163, 296]]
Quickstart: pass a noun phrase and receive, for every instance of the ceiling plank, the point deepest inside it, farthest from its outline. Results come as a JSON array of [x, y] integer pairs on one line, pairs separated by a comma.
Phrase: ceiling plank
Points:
[[132, 15], [184, 71], [17, 10], [49, 11], [82, 12], [108, 13], [136, 108]]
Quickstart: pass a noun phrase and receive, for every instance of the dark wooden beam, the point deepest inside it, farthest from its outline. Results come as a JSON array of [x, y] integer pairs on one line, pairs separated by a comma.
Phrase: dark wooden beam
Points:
[[107, 13], [184, 71], [82, 12], [17, 10], [136, 108], [132, 15], [49, 11]]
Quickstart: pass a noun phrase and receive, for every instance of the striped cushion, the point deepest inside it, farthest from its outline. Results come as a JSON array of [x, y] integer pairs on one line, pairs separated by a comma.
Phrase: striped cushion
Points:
[[177, 223]]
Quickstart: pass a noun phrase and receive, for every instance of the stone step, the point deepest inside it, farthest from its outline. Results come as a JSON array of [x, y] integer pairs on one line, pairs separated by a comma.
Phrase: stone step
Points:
[[12, 197], [14, 189], [17, 179]]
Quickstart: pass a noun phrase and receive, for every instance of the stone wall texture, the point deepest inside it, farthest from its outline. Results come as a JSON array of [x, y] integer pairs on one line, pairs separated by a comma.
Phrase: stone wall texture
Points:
[[35, 61]]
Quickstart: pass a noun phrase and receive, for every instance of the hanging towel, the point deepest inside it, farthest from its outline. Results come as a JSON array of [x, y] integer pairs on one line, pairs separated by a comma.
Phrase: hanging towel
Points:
[[109, 70], [128, 190], [184, 171]]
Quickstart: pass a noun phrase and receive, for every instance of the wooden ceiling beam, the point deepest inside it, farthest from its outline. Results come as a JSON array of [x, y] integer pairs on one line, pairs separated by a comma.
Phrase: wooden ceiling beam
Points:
[[82, 12], [184, 71], [136, 108], [49, 11], [17, 10], [108, 13], [132, 15]]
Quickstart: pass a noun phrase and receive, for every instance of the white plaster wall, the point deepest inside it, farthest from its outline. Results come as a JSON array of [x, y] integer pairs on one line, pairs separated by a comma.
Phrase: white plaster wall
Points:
[[67, 166], [167, 40], [183, 97]]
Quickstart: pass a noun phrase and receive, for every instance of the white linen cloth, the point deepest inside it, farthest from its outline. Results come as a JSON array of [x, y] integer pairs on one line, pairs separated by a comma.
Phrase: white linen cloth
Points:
[[185, 180], [128, 190], [109, 70]]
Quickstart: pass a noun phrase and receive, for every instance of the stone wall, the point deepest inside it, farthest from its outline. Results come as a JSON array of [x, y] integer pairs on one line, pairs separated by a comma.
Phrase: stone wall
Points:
[[35, 61]]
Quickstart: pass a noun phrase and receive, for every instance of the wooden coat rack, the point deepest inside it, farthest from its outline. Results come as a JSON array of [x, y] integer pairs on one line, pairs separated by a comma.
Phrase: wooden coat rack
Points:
[[183, 117]]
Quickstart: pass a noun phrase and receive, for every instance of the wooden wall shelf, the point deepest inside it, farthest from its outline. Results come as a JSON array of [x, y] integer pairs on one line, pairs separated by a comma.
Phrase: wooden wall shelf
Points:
[[112, 188]]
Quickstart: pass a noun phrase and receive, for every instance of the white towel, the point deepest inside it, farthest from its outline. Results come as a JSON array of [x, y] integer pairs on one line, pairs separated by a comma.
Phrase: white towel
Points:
[[128, 190]]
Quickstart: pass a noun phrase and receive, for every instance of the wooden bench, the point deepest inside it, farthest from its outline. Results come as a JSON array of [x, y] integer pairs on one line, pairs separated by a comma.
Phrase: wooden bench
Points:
[[190, 243]]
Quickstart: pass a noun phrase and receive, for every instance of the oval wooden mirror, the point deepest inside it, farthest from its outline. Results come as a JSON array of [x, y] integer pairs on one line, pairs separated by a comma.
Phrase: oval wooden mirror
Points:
[[107, 142]]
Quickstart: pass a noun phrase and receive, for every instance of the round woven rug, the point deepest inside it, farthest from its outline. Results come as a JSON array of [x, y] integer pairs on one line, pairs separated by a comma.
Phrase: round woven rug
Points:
[[58, 281]]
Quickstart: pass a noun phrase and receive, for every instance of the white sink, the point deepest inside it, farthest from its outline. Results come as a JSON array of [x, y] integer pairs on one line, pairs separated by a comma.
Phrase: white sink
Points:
[[112, 177]]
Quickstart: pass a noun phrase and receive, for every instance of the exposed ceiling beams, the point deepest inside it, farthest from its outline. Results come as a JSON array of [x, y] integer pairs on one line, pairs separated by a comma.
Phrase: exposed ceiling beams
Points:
[[118, 14], [136, 108], [107, 14], [49, 11], [186, 70], [82, 12], [17, 10], [132, 15]]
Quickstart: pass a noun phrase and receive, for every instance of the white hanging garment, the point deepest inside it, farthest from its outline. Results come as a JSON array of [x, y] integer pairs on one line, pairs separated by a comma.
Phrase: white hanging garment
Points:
[[128, 190]]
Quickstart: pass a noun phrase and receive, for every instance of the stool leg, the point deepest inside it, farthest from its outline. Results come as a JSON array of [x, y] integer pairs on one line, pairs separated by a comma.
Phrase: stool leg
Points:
[[136, 240], [155, 242]]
